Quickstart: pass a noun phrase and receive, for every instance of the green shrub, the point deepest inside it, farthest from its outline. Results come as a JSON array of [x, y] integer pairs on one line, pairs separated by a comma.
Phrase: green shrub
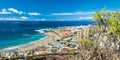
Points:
[[17, 57], [71, 52], [85, 43], [36, 57], [28, 57]]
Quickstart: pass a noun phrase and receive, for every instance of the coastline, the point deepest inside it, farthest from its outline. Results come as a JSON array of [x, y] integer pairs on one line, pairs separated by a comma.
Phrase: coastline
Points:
[[34, 44], [21, 45], [31, 45], [43, 41]]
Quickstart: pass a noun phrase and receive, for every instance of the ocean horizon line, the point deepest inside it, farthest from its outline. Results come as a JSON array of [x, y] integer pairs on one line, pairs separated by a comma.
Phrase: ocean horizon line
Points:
[[46, 20]]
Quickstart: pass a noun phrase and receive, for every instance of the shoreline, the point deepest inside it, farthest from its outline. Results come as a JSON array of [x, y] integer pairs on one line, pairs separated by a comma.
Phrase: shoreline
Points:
[[31, 45], [39, 42], [22, 45], [32, 42], [44, 41]]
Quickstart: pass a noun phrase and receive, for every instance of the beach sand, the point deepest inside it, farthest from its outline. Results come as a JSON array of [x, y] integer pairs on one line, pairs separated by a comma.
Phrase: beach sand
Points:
[[50, 38]]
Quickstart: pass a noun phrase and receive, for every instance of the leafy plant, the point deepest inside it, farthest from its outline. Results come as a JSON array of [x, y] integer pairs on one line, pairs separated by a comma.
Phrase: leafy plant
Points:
[[72, 52], [85, 43], [108, 22]]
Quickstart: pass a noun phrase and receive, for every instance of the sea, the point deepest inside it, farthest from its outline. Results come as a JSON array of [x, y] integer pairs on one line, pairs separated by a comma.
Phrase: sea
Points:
[[14, 33]]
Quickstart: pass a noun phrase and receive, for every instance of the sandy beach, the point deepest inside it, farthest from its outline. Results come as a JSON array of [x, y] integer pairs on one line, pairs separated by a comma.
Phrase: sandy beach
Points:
[[50, 37]]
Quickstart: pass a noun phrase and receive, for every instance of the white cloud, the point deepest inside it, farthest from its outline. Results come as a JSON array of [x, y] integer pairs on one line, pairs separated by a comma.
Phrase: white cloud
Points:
[[9, 18], [84, 18], [4, 11], [15, 11], [34, 13], [90, 12], [74, 13], [23, 17], [62, 13], [15, 18], [43, 19]]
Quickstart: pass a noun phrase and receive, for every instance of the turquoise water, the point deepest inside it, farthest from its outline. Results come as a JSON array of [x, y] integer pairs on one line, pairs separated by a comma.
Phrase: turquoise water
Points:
[[11, 43], [14, 33]]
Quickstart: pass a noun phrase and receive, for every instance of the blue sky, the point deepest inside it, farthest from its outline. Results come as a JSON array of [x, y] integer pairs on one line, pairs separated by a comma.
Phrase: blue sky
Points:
[[53, 10]]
